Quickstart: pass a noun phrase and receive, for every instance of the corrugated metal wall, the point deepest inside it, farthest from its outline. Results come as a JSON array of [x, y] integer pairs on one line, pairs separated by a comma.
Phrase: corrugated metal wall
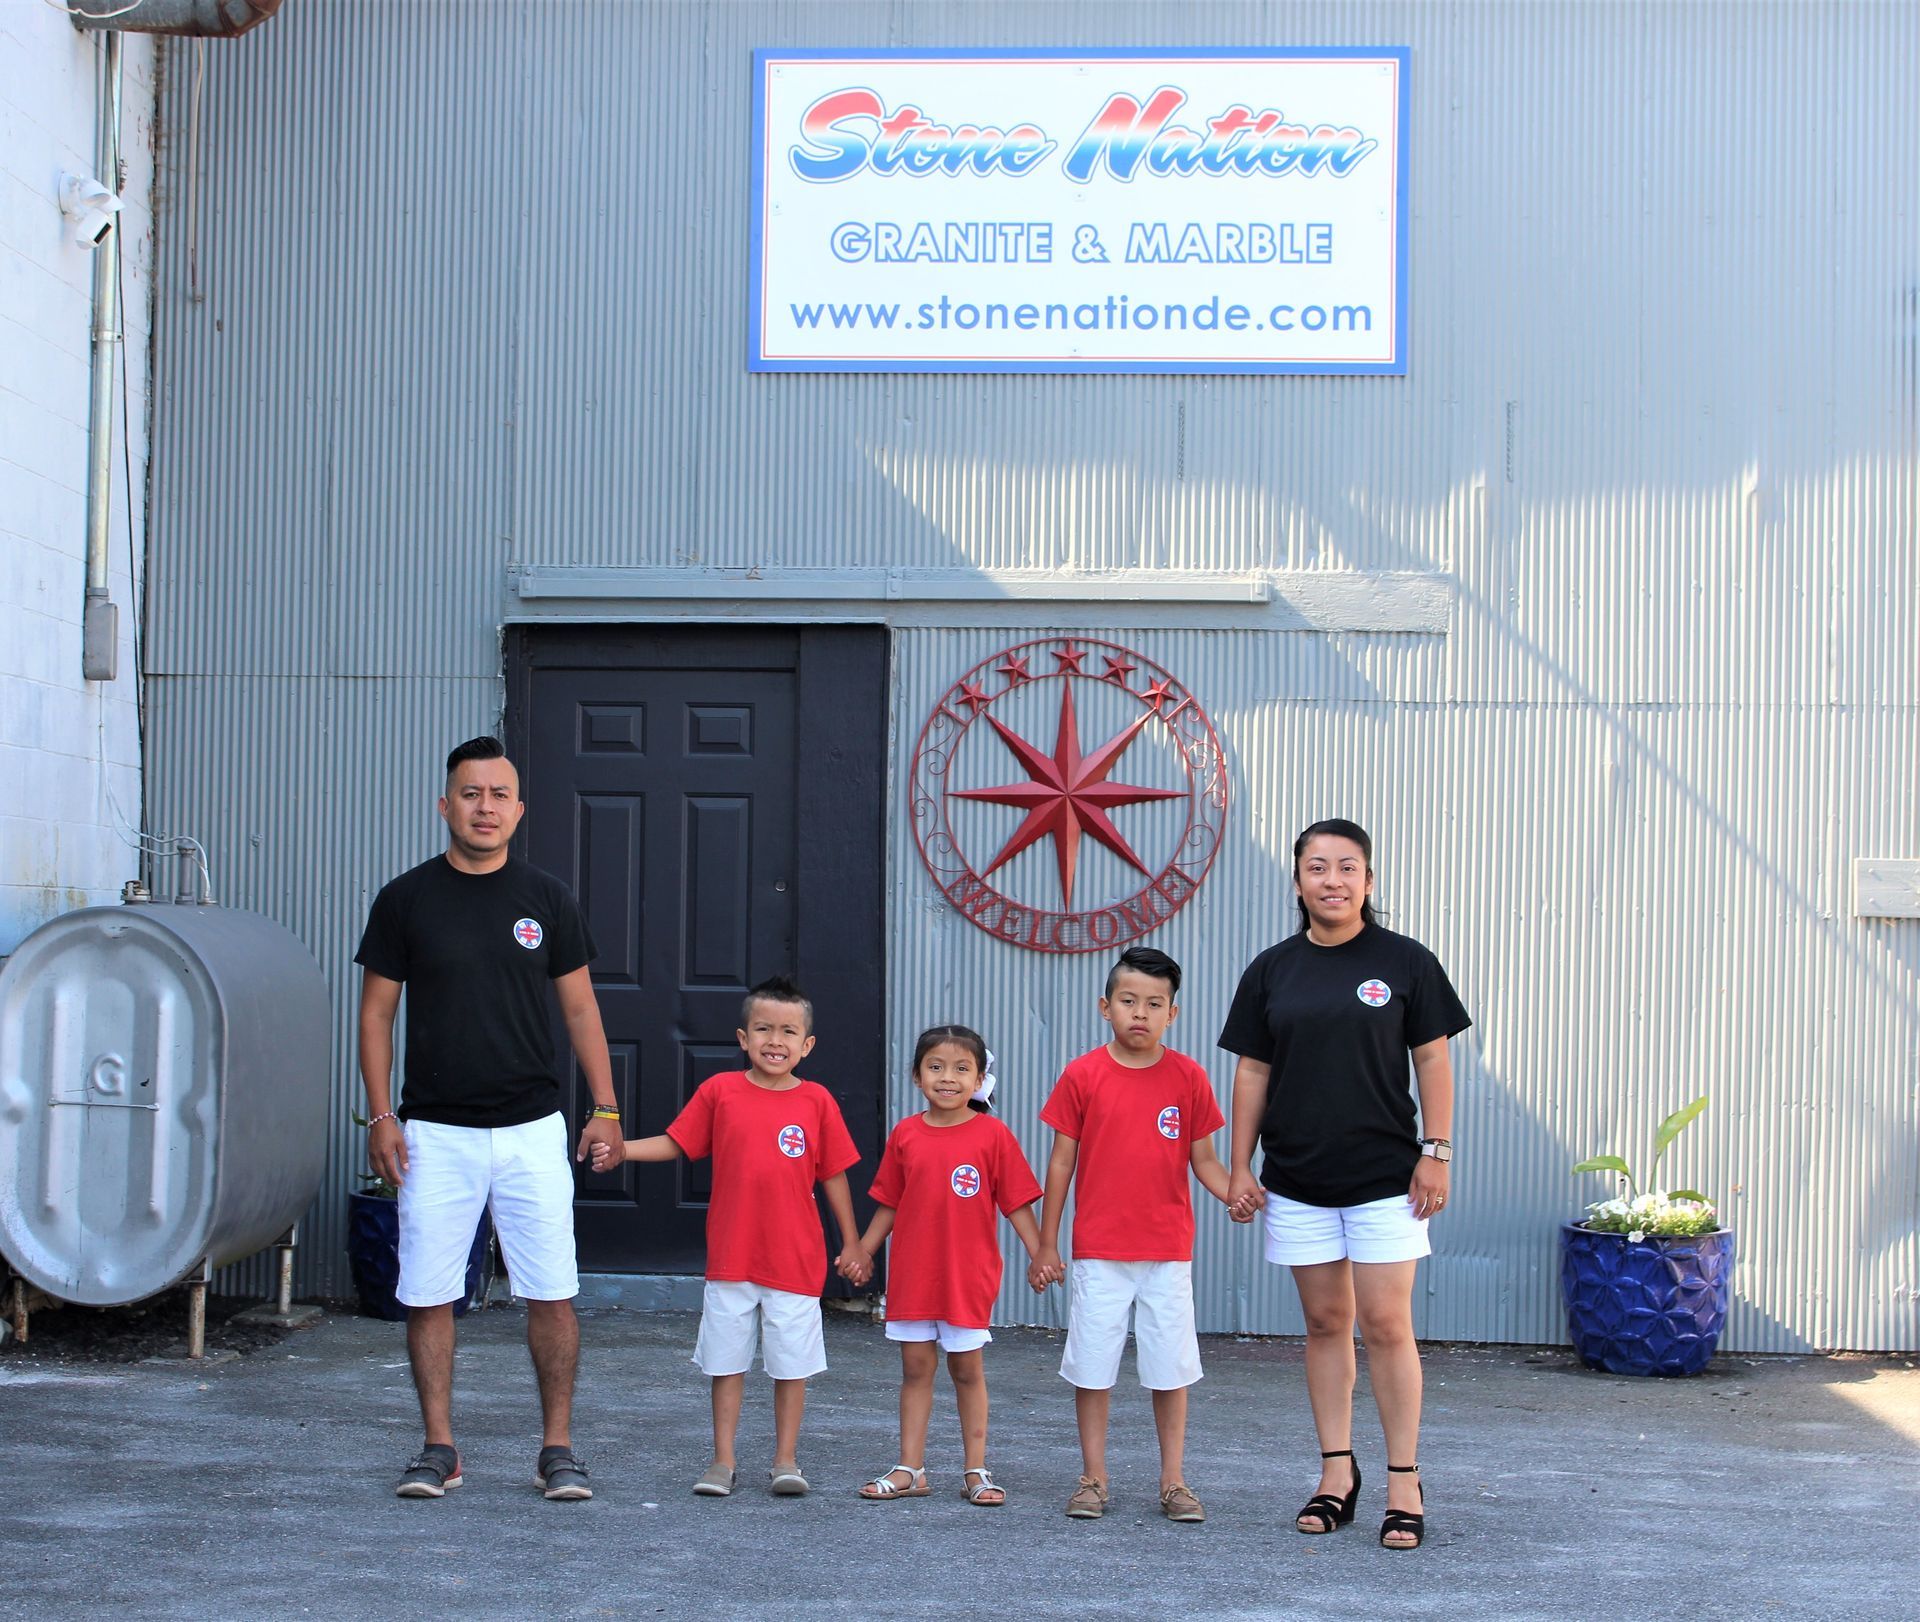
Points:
[[475, 278]]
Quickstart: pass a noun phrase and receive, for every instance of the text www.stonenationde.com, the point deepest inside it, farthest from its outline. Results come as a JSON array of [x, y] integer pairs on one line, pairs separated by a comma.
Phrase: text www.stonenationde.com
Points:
[[1115, 313]]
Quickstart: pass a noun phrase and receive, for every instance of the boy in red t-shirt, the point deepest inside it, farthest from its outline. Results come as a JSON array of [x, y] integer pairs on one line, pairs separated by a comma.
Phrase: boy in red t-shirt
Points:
[[1129, 1119], [772, 1137]]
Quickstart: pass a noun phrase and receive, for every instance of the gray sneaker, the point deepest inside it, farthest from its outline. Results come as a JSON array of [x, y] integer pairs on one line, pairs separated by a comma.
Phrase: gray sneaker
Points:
[[561, 1475], [786, 1481], [431, 1472], [716, 1483]]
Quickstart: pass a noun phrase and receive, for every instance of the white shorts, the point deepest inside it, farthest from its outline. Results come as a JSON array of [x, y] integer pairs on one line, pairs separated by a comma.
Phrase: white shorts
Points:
[[523, 1174], [952, 1337], [1159, 1296], [1380, 1231], [738, 1319]]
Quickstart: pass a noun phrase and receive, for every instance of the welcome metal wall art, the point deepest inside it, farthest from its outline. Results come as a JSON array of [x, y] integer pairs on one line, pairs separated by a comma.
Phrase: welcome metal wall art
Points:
[[1068, 795]]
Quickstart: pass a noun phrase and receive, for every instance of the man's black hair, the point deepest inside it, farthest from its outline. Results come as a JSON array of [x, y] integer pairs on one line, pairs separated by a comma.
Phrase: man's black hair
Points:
[[1147, 960], [485, 748], [777, 989]]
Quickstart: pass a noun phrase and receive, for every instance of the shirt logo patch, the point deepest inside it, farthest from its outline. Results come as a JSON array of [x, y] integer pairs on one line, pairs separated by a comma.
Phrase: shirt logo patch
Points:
[[793, 1142], [966, 1181], [528, 933], [1169, 1122], [1374, 993]]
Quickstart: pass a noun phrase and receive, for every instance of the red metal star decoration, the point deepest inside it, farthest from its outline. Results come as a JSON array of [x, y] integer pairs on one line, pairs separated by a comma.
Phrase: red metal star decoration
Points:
[[1158, 692], [971, 692], [1117, 671], [1068, 794], [1070, 658], [1015, 670]]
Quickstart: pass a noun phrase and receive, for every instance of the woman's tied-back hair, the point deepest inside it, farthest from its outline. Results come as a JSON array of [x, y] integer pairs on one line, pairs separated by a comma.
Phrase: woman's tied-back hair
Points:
[[960, 1036], [1339, 828]]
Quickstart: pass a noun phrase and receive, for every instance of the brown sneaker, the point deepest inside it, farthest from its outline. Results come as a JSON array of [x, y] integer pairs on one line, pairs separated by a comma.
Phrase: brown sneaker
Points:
[[1178, 1503], [1089, 1500]]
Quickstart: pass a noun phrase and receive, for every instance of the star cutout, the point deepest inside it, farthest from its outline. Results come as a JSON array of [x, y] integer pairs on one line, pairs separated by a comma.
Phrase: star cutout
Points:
[[971, 692], [1118, 670], [1015, 670], [1070, 658], [1068, 794]]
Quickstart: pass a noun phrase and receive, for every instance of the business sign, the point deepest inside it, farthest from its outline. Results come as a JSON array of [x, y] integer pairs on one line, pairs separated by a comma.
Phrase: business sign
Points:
[[1064, 211]]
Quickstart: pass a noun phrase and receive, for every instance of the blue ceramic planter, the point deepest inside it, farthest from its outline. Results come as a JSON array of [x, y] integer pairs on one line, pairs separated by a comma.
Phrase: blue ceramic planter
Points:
[[1652, 1306], [373, 1254]]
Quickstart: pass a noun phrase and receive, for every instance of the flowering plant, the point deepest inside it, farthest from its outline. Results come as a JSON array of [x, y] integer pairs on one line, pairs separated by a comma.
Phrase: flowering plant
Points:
[[1659, 1214], [1653, 1216]]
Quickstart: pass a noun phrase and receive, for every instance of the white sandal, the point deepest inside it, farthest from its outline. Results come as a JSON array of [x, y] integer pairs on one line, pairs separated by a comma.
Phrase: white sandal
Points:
[[884, 1486], [985, 1484]]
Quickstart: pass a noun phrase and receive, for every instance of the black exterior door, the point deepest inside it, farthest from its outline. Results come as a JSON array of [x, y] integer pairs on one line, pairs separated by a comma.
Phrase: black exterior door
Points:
[[714, 798]]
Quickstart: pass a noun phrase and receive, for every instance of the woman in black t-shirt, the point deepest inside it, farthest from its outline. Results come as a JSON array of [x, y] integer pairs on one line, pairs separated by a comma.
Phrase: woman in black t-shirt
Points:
[[1324, 1023]]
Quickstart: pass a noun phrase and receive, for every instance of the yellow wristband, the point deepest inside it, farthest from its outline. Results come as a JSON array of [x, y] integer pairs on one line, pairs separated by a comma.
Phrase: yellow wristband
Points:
[[600, 1114]]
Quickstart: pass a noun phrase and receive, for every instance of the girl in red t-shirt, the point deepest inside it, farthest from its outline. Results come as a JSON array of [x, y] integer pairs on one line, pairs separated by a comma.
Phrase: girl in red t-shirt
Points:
[[945, 1174]]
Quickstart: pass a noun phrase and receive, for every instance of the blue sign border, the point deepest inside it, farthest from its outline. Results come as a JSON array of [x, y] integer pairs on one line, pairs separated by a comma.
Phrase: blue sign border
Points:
[[765, 56]]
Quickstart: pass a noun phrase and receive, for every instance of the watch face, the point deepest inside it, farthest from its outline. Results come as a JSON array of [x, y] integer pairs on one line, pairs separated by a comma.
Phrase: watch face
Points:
[[1442, 1152]]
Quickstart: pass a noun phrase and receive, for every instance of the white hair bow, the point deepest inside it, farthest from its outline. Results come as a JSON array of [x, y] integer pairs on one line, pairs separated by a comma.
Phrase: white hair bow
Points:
[[984, 1092]]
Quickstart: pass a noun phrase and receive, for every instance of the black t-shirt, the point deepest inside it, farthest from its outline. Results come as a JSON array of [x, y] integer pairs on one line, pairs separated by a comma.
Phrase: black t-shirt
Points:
[[1336, 1024], [476, 951]]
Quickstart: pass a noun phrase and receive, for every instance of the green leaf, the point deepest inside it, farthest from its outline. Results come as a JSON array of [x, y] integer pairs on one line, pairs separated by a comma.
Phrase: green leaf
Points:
[[1674, 1125], [1688, 1194], [1604, 1163]]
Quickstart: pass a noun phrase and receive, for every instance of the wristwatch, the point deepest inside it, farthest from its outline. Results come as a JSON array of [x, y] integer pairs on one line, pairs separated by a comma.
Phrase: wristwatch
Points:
[[1440, 1148]]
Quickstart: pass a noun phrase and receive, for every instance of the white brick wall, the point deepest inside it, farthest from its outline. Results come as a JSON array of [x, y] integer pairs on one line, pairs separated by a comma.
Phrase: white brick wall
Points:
[[69, 749]]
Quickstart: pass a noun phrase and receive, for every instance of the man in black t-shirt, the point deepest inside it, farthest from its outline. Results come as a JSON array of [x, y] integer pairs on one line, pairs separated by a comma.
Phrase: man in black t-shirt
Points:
[[475, 938]]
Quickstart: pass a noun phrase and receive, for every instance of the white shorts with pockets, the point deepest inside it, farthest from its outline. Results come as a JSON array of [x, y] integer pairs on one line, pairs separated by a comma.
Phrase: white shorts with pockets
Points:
[[523, 1174], [1379, 1231], [1159, 1298], [736, 1319]]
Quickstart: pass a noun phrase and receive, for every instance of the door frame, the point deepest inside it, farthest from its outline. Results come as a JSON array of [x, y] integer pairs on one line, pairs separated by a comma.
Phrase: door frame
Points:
[[843, 688]]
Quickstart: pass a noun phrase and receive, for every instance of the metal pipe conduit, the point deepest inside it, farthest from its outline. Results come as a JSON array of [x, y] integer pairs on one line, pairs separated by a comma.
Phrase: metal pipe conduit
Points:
[[100, 633]]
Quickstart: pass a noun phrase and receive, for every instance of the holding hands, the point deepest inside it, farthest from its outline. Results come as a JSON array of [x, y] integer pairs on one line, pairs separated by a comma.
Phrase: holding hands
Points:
[[602, 1144], [1045, 1268], [1245, 1196], [854, 1264]]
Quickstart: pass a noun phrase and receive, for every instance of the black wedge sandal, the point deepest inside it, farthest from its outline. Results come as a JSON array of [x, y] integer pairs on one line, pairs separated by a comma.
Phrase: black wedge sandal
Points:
[[1330, 1511], [1404, 1521]]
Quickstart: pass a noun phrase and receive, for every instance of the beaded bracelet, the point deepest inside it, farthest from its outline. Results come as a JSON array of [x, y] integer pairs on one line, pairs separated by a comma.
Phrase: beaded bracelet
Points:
[[386, 1115]]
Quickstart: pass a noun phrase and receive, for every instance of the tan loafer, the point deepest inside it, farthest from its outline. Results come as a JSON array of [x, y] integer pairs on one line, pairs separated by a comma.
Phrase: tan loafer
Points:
[[1089, 1500], [1178, 1503]]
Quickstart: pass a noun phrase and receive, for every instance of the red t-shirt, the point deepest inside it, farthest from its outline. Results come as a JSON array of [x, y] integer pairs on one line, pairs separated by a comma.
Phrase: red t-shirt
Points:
[[946, 1185], [1136, 1129], [769, 1148]]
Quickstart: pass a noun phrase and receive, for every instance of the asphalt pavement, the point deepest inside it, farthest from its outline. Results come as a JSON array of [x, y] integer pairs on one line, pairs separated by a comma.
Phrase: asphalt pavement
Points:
[[262, 1487]]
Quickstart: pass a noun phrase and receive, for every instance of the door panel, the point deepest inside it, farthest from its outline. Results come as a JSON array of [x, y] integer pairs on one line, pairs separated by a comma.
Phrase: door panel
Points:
[[671, 778]]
